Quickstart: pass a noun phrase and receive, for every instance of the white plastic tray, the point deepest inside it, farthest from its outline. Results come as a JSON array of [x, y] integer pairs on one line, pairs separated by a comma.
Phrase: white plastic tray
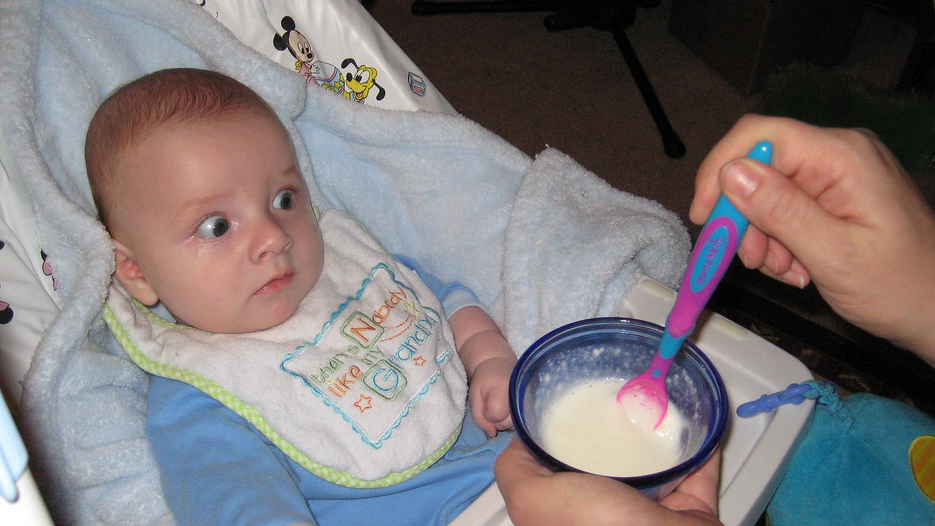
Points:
[[25, 506], [756, 451], [29, 509]]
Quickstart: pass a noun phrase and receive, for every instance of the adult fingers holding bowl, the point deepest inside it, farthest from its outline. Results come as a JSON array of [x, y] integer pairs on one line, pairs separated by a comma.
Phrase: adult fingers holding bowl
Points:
[[536, 495]]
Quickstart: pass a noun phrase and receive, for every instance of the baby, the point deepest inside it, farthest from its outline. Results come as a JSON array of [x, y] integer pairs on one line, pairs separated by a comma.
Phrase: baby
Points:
[[301, 374]]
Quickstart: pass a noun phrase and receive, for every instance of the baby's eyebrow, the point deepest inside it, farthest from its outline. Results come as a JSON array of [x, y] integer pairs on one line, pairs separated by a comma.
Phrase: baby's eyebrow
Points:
[[194, 205], [294, 174], [293, 170]]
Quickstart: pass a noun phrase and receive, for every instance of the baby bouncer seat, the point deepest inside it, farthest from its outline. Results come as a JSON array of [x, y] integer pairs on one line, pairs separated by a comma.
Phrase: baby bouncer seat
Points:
[[541, 240]]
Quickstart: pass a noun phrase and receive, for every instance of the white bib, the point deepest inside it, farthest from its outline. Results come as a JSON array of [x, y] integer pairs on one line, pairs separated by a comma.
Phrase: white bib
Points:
[[362, 386]]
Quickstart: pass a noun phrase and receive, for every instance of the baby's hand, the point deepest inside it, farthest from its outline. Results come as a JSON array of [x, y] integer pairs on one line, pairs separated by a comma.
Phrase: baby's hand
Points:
[[489, 393], [488, 360]]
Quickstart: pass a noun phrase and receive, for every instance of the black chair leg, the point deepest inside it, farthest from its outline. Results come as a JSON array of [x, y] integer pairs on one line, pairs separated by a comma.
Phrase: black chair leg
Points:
[[671, 142], [601, 14], [431, 7]]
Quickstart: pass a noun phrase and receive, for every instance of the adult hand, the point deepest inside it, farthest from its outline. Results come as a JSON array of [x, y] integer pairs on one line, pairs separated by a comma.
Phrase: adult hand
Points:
[[835, 208], [537, 496]]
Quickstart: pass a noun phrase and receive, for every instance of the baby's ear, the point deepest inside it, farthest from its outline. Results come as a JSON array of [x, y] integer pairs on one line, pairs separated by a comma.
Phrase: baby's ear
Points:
[[130, 276]]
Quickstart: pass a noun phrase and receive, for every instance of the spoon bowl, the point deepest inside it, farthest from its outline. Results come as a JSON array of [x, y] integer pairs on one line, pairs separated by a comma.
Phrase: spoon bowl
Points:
[[644, 398]]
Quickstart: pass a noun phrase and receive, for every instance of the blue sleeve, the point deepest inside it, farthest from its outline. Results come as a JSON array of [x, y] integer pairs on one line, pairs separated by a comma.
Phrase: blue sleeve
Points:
[[453, 295], [215, 467]]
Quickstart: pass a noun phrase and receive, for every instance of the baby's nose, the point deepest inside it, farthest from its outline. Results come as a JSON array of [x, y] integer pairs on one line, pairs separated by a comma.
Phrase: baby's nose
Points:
[[271, 238]]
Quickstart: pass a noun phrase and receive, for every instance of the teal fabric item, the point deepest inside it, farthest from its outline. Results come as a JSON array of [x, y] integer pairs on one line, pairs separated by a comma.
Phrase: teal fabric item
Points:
[[853, 467]]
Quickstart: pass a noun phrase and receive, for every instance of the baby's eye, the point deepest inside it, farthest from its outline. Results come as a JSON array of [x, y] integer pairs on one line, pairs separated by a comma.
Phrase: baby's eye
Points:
[[284, 200], [214, 226]]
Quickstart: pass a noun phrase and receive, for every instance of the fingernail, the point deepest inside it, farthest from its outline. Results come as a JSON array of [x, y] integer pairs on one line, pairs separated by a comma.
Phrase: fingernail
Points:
[[770, 262], [797, 279], [800, 281], [739, 178]]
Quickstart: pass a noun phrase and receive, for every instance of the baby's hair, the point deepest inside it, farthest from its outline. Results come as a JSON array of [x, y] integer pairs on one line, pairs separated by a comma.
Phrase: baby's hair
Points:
[[134, 110]]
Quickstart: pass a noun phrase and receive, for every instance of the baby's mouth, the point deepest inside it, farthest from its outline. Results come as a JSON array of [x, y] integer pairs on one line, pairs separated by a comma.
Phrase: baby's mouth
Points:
[[276, 284]]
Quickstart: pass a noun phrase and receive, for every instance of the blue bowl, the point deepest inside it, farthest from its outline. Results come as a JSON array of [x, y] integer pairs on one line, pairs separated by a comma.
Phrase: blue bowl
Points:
[[619, 348]]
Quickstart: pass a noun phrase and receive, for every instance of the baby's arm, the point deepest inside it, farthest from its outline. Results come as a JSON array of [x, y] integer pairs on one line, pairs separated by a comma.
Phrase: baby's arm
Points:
[[488, 360], [485, 353]]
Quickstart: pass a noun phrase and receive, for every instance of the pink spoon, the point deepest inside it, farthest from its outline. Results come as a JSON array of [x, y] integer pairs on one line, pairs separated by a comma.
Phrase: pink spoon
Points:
[[644, 398]]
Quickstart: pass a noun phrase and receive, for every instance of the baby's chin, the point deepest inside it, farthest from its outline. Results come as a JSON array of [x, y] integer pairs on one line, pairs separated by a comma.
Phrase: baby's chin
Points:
[[247, 318]]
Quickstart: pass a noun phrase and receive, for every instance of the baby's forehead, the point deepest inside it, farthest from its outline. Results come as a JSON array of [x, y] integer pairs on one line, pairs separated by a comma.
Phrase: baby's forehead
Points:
[[167, 133], [206, 140]]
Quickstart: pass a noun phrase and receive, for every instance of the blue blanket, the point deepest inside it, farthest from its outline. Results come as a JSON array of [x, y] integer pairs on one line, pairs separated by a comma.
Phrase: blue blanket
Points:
[[542, 241]]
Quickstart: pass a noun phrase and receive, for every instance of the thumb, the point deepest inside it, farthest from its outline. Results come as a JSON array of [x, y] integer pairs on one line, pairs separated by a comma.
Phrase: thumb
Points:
[[777, 206]]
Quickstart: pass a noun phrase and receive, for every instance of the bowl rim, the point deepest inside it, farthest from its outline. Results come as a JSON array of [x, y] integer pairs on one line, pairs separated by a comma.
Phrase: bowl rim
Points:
[[712, 438]]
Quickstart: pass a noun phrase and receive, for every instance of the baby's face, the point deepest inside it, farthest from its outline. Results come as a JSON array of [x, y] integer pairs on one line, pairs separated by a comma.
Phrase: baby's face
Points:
[[219, 220]]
